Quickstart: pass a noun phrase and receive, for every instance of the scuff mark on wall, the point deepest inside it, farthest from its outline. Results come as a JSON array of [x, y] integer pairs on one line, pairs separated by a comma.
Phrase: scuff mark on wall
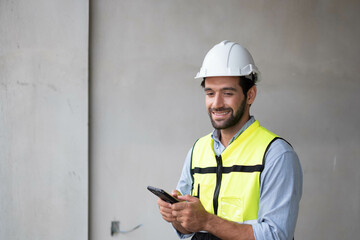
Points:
[[52, 87], [70, 106], [25, 84]]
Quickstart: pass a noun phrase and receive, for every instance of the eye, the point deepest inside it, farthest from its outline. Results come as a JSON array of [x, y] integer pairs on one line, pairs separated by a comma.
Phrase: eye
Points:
[[228, 93], [209, 94]]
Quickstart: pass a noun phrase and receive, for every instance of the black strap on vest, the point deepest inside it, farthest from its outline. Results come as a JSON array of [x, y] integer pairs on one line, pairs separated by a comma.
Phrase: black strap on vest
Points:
[[234, 168]]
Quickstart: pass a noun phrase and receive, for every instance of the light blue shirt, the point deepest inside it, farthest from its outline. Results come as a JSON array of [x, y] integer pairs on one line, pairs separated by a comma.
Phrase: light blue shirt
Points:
[[280, 188]]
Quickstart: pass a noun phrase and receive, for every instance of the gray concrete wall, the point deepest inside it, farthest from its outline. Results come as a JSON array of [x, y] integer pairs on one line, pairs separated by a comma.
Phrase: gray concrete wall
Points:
[[148, 110], [43, 120]]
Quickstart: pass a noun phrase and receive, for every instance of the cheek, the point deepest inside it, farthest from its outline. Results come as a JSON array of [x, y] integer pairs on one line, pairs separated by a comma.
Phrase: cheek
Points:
[[235, 103], [208, 103]]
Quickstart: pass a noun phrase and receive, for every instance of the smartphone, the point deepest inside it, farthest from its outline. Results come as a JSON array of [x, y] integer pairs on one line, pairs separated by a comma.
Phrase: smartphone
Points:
[[162, 194]]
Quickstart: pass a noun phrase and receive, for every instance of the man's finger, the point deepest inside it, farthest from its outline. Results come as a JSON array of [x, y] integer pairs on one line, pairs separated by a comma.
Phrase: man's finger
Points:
[[179, 206], [175, 193], [162, 203], [188, 198]]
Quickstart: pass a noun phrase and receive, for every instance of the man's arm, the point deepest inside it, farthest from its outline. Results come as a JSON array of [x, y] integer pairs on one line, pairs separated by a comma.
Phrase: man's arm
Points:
[[280, 193]]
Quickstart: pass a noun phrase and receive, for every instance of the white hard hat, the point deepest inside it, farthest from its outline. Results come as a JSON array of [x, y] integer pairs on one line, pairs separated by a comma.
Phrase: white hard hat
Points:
[[228, 59]]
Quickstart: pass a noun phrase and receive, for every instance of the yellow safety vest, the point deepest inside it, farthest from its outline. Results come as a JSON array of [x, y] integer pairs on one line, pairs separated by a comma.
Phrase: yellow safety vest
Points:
[[228, 185]]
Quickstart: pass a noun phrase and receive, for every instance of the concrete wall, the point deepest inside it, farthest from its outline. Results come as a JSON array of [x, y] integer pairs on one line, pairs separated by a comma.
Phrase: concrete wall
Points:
[[43, 120], [148, 110]]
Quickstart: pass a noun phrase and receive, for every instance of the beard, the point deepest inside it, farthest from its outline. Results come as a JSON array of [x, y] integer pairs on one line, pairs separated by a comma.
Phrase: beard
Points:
[[232, 120]]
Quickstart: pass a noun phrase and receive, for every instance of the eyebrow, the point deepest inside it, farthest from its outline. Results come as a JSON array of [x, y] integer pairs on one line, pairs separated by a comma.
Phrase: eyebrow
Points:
[[223, 89]]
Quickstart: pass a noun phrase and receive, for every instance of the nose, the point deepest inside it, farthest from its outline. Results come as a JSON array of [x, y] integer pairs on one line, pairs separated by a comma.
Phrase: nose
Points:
[[218, 101]]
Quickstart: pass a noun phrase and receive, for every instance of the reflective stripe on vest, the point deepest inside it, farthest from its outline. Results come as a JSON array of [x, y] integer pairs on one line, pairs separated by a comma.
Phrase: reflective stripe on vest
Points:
[[228, 185]]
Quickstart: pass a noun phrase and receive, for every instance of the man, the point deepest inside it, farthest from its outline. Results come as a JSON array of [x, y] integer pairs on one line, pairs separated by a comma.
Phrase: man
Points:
[[242, 181]]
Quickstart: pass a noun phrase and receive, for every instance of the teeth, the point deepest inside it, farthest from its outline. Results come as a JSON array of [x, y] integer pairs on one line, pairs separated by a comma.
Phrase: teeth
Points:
[[220, 113]]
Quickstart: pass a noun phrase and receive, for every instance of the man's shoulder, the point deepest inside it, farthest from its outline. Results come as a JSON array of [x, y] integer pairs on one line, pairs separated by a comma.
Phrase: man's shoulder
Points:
[[280, 150], [281, 145], [278, 143]]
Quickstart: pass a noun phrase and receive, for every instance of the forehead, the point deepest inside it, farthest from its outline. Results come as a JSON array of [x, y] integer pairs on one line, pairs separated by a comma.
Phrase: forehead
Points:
[[222, 82]]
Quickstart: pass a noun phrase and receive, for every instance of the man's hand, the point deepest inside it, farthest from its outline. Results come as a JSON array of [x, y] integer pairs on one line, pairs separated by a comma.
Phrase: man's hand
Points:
[[190, 213], [166, 212], [165, 208]]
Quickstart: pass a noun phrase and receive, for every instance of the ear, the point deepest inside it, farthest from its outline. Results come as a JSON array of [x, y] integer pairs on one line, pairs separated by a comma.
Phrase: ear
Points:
[[251, 95]]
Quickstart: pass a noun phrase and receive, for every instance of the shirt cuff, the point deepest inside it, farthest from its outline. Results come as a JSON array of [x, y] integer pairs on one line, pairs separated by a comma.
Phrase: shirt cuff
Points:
[[181, 235]]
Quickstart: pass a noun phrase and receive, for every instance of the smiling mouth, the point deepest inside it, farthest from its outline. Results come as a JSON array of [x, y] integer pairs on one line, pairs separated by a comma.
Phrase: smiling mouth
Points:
[[220, 112]]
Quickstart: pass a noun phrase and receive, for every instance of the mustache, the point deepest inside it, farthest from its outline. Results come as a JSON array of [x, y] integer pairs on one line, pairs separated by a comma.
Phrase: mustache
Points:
[[219, 109]]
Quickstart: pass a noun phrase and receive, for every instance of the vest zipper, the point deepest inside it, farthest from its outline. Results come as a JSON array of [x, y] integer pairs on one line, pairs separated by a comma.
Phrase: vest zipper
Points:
[[219, 170]]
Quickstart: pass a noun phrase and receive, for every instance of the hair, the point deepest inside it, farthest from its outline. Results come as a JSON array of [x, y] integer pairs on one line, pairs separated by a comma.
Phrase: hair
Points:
[[245, 82]]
